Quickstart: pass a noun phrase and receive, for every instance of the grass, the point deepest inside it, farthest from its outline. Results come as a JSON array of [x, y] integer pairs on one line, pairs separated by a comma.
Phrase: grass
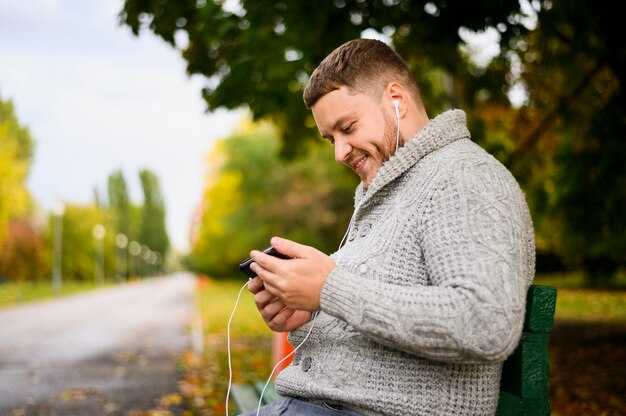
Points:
[[216, 300], [587, 347], [205, 382], [14, 293], [576, 303]]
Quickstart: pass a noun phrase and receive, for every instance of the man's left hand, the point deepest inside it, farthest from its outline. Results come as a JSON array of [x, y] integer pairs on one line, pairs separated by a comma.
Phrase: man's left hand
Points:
[[298, 281]]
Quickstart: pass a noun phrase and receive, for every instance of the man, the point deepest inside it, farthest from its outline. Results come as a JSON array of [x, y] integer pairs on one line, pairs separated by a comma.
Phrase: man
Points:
[[420, 307]]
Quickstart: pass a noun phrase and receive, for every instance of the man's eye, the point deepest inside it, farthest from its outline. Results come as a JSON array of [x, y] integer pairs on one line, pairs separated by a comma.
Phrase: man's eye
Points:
[[347, 129]]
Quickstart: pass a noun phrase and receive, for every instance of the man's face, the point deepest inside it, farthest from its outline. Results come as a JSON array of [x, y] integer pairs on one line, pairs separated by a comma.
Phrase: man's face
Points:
[[363, 134]]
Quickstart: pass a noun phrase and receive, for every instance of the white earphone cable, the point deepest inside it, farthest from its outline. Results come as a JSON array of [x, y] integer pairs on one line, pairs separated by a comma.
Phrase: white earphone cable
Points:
[[397, 131], [258, 409], [314, 317], [230, 367]]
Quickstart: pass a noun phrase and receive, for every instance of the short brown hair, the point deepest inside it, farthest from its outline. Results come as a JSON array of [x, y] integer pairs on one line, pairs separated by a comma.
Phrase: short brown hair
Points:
[[362, 65]]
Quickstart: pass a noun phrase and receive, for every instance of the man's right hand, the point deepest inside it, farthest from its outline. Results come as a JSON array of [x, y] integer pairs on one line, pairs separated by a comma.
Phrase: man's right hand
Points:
[[275, 313]]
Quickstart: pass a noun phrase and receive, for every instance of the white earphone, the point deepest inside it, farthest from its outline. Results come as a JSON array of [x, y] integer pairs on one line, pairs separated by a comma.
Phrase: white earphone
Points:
[[396, 104]]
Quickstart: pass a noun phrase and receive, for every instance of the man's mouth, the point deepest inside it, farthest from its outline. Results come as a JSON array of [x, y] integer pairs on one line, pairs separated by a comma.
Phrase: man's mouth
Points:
[[359, 164]]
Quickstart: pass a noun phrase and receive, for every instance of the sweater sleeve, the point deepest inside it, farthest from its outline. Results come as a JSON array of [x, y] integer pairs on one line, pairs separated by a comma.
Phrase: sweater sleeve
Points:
[[477, 243]]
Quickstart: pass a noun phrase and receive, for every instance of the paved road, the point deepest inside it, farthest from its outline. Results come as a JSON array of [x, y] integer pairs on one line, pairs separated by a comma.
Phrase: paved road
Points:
[[107, 352]]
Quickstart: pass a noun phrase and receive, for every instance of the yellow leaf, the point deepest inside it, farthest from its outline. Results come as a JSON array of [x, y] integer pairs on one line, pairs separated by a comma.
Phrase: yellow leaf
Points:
[[171, 400]]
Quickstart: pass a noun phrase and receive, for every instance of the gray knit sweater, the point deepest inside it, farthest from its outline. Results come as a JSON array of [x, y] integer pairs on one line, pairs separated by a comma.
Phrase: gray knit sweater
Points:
[[428, 295]]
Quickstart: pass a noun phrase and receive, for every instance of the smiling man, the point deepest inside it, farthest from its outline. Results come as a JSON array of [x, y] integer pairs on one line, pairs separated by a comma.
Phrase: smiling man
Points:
[[415, 314]]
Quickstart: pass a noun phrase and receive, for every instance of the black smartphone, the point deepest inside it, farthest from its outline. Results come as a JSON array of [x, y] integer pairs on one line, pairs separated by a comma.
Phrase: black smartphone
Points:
[[245, 265]]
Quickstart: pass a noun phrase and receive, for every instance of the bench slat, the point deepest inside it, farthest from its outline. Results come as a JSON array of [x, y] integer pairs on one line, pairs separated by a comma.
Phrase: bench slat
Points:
[[524, 385], [245, 397], [512, 405], [540, 306], [270, 395]]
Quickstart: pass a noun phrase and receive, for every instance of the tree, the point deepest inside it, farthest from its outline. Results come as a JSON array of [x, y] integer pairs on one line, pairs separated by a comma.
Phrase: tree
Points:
[[16, 148], [573, 67], [569, 58], [253, 194], [119, 203], [80, 255], [24, 255], [261, 54], [152, 230]]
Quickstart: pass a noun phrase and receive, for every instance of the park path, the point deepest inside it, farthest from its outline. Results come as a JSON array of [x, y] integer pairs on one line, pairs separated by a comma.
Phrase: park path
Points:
[[110, 351]]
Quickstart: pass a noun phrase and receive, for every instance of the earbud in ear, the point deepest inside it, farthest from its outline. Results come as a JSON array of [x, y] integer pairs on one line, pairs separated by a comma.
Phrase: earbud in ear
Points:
[[396, 103]]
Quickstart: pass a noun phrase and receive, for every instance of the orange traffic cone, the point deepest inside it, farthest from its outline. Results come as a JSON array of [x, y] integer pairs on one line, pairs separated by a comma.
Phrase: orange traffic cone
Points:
[[282, 348]]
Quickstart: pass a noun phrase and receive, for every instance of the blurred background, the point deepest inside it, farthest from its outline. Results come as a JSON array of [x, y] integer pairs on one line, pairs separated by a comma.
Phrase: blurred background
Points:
[[143, 137]]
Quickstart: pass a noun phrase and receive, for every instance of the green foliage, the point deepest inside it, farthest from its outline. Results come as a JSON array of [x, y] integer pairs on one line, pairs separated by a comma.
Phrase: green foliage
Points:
[[141, 224], [16, 147], [14, 293], [119, 203], [152, 232], [573, 70], [79, 243], [563, 144], [254, 194], [26, 246], [261, 55], [83, 253], [591, 183], [22, 250], [10, 128]]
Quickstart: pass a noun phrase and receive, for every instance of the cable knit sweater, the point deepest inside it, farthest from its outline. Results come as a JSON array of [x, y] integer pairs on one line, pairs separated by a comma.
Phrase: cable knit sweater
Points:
[[428, 296]]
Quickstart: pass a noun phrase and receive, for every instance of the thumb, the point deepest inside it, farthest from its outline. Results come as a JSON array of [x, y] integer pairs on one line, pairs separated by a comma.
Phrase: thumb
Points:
[[289, 248]]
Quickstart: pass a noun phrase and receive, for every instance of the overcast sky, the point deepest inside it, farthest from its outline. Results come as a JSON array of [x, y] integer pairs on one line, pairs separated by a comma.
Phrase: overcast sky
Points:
[[97, 99]]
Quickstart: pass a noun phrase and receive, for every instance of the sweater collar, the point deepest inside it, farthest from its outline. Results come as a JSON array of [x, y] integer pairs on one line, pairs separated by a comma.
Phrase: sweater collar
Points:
[[439, 132]]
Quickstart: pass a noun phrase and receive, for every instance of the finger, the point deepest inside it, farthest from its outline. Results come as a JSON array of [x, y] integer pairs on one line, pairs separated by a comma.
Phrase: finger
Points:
[[272, 309], [264, 297], [290, 248], [293, 320], [279, 319], [296, 320], [255, 285], [264, 263], [271, 282]]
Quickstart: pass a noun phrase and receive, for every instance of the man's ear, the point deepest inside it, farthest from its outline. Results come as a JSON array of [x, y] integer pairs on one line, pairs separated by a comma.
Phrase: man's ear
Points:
[[396, 97]]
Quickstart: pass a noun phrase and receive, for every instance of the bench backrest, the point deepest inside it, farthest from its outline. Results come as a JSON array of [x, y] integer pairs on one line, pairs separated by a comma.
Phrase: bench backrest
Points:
[[524, 385]]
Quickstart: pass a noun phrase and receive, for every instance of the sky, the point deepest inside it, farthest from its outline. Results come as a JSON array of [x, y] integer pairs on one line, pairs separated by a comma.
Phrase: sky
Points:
[[97, 99]]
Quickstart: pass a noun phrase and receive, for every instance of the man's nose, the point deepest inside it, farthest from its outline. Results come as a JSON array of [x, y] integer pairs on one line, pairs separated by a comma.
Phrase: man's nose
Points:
[[342, 150]]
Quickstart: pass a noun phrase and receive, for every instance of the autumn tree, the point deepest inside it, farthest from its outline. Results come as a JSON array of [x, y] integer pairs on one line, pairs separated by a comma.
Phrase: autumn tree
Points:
[[16, 150], [573, 67], [24, 254], [568, 58], [253, 194], [260, 54]]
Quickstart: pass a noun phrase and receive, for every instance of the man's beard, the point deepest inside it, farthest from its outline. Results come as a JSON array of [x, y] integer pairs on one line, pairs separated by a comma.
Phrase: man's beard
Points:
[[390, 138]]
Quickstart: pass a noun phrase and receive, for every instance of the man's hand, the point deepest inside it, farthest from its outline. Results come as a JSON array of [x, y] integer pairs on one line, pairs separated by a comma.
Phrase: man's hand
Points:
[[275, 313], [297, 282]]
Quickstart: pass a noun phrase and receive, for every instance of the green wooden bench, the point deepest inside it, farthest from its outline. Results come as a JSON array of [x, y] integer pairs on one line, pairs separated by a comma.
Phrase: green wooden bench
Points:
[[524, 384]]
